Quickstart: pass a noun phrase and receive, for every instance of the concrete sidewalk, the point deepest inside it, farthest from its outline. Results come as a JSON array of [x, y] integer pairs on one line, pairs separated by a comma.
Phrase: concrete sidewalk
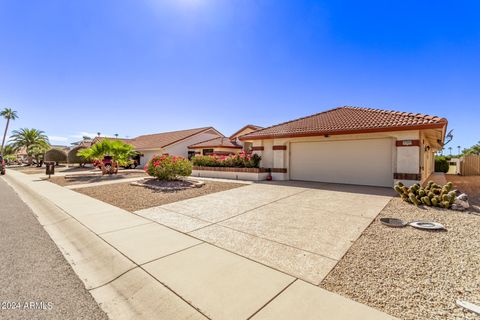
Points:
[[137, 268]]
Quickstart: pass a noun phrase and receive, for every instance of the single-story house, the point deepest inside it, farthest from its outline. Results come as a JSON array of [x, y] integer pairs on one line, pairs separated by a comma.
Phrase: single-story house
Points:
[[352, 145], [173, 143], [224, 145]]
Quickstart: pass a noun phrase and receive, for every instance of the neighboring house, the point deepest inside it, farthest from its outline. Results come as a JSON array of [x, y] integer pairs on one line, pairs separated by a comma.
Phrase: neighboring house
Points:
[[224, 145], [353, 146], [173, 143], [249, 128], [221, 145]]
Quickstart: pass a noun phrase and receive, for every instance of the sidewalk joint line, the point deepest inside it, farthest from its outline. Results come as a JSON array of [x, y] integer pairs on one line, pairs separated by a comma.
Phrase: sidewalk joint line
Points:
[[124, 228], [273, 298], [170, 254]]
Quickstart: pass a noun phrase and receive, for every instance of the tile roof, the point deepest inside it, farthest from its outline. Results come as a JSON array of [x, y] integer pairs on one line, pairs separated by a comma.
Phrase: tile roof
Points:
[[159, 140], [251, 126], [346, 120], [220, 142]]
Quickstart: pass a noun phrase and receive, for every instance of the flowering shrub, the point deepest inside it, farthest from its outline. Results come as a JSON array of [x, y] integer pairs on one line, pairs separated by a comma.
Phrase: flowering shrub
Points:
[[168, 167], [241, 160]]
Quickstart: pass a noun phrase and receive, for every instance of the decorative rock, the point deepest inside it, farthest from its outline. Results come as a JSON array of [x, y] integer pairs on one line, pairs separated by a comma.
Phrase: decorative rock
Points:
[[463, 197], [462, 203], [457, 207]]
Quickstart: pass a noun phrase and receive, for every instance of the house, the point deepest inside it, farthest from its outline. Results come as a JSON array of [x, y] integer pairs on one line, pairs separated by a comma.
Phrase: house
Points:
[[220, 145], [173, 143], [352, 145], [223, 145]]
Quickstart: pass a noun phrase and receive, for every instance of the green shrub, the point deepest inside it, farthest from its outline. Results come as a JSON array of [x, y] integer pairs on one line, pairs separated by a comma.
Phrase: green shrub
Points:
[[441, 164], [168, 167], [241, 160]]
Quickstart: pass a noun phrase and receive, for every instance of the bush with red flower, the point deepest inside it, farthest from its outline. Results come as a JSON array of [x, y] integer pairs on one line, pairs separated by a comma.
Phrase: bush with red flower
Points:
[[240, 160], [165, 167]]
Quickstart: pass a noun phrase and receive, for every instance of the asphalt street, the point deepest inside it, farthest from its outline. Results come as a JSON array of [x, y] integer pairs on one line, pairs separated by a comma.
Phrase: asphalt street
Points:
[[36, 282]]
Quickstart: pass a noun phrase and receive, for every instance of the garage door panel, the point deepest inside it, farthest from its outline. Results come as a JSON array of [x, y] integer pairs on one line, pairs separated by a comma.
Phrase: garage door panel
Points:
[[364, 162]]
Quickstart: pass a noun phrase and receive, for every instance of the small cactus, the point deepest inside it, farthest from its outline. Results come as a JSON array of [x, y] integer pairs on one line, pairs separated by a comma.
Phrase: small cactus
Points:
[[430, 195]]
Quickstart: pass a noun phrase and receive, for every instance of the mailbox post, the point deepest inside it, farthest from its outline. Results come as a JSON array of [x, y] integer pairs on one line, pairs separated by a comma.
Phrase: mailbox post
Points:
[[50, 168]]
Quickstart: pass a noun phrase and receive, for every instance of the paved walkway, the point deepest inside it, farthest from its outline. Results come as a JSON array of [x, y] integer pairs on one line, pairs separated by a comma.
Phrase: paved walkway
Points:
[[300, 228], [141, 269], [33, 270]]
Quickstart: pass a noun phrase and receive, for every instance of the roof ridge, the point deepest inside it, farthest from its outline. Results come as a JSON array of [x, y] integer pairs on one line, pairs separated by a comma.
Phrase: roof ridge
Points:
[[301, 118], [166, 132], [410, 114]]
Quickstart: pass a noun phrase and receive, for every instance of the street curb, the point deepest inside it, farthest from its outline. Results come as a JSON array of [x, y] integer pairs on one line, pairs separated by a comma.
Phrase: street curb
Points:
[[122, 289]]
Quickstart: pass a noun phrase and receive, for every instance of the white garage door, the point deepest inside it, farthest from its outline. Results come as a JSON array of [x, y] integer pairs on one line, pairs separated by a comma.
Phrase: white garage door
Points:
[[363, 162]]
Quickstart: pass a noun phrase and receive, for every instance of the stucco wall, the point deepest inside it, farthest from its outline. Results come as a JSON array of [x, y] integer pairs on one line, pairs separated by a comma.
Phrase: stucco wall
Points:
[[404, 159], [177, 149]]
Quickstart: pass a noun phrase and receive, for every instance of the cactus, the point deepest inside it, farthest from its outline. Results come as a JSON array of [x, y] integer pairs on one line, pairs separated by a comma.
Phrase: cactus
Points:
[[413, 199], [426, 201], [446, 204], [430, 195]]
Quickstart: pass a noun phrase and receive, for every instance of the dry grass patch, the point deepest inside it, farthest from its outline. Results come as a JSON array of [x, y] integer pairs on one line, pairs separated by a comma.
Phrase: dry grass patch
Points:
[[411, 273], [133, 198]]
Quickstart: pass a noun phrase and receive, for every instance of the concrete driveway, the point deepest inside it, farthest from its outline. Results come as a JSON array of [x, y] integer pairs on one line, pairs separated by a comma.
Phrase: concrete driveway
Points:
[[299, 228]]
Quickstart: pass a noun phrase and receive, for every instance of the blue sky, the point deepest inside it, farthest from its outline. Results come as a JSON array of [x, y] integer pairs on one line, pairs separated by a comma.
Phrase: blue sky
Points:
[[146, 66]]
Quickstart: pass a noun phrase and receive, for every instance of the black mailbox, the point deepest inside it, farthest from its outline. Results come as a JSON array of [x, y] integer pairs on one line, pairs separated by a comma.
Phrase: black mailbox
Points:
[[50, 168]]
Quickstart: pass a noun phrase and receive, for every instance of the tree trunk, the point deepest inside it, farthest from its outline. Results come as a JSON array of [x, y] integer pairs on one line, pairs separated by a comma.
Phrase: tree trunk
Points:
[[4, 135]]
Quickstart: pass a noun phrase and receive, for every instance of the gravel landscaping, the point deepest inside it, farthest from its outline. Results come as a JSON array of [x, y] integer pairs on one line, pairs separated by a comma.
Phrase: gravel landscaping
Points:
[[411, 273], [91, 178], [133, 198]]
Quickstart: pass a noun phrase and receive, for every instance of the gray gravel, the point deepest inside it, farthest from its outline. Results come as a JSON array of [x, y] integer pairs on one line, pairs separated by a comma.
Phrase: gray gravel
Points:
[[410, 273], [32, 269]]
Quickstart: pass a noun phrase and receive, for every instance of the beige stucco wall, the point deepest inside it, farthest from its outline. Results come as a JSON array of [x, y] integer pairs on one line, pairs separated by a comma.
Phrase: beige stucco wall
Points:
[[404, 159], [177, 149]]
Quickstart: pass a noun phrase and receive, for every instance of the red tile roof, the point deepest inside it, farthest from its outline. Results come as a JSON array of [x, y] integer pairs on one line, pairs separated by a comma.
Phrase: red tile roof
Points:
[[347, 120], [220, 142], [161, 140]]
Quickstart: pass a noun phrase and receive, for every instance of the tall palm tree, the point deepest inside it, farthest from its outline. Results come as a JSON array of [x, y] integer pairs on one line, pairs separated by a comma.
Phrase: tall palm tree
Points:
[[450, 148], [8, 114], [29, 139]]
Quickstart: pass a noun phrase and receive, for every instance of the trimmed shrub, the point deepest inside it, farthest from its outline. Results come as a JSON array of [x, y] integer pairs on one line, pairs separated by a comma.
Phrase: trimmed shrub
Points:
[[74, 158], [56, 155], [441, 164], [168, 167], [241, 160]]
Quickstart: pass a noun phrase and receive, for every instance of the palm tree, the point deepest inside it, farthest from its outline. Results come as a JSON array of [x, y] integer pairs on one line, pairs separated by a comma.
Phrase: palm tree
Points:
[[29, 139], [118, 150], [450, 148], [459, 153], [8, 114]]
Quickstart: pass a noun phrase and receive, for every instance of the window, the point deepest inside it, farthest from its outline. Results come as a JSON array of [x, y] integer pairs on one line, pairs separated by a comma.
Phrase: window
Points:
[[207, 152], [247, 146], [191, 154]]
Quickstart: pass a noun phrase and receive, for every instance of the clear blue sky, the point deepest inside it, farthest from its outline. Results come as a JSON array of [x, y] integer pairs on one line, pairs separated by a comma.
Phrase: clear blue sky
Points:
[[146, 66]]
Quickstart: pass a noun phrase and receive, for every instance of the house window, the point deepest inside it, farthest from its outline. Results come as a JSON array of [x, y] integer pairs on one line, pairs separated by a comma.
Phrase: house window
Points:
[[247, 146], [207, 152], [191, 154]]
